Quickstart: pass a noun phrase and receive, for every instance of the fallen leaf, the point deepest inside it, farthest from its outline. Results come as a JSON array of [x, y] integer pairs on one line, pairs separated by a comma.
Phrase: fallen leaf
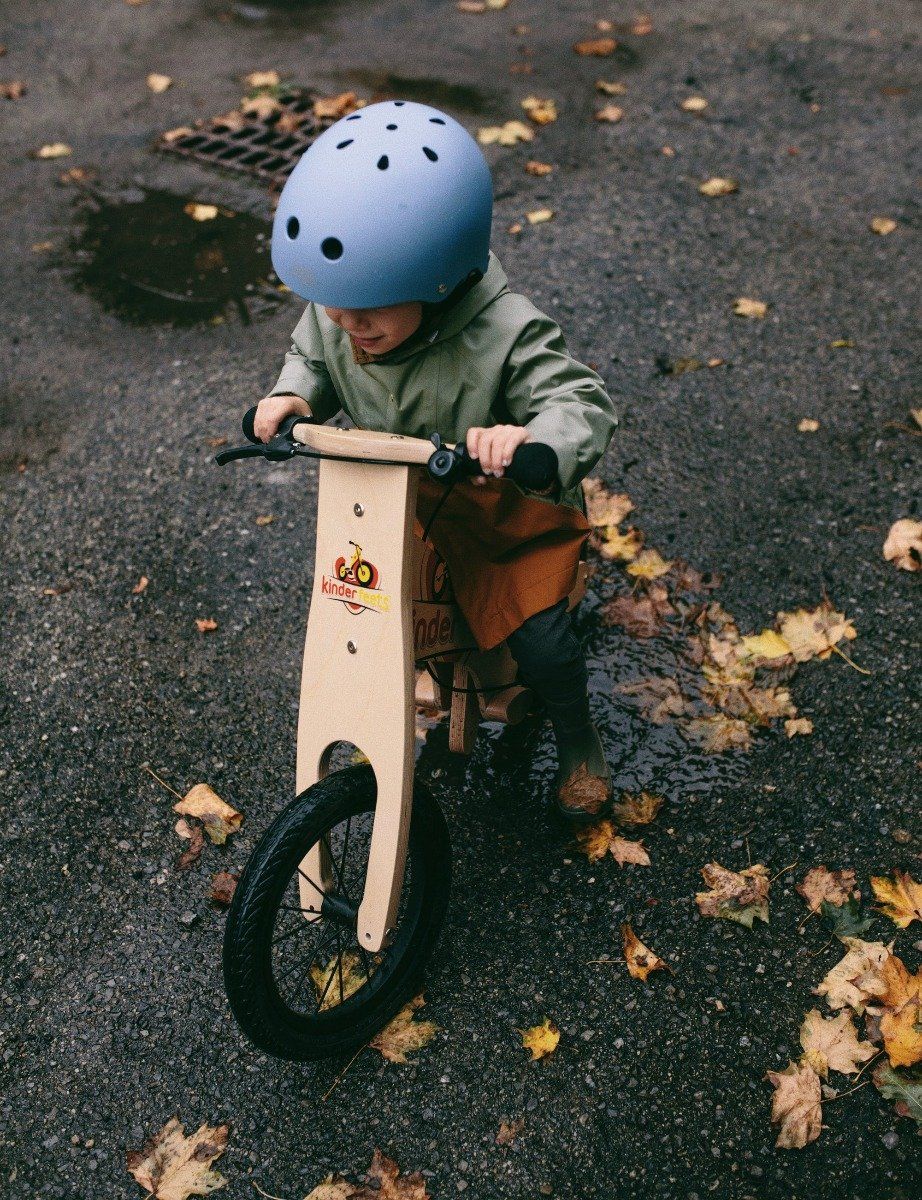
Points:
[[471, 6], [338, 980], [515, 227], [223, 886], [596, 47], [834, 887], [813, 634], [611, 89], [173, 135], [42, 247], [158, 83], [76, 175], [206, 624], [900, 897], [140, 586], [401, 1035], [831, 1044], [13, 89], [54, 150], [916, 414], [736, 896], [603, 507], [901, 1022], [637, 810], [694, 104], [538, 215], [262, 79], [718, 186], [796, 1105], [200, 212], [386, 1183], [219, 819], [842, 986], [845, 920], [610, 113], [904, 544], [263, 106], [640, 959], [681, 366], [509, 1131], [621, 547], [265, 519], [649, 564], [660, 698], [540, 110], [883, 225], [507, 134], [667, 151], [642, 26], [196, 839], [842, 344], [639, 615], [745, 306], [533, 167], [541, 1039], [595, 841], [905, 1087], [767, 646], [718, 733], [808, 425], [172, 1166]]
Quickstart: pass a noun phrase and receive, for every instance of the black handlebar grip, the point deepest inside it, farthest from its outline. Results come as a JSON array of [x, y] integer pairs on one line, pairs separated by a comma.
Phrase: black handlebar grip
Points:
[[248, 418], [534, 466]]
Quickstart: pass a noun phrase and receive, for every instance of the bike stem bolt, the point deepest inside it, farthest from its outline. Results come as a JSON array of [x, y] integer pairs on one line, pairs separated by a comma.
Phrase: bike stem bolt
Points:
[[351, 647], [358, 510]]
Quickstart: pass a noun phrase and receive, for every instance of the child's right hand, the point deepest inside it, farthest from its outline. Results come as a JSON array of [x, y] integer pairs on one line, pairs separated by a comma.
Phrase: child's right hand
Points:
[[272, 411]]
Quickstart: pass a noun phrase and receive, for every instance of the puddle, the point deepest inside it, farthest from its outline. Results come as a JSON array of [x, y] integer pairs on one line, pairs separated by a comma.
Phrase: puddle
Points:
[[384, 85], [142, 256]]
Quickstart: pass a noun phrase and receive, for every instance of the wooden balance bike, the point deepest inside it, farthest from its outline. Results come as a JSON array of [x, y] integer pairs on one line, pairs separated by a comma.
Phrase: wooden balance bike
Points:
[[340, 905]]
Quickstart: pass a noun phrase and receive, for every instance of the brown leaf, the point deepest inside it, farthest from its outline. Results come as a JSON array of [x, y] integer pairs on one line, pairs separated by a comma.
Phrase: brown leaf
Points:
[[904, 544], [597, 47], [739, 896], [533, 167], [796, 1105], [206, 624], [638, 614], [262, 79], [602, 506], [799, 725], [845, 986], [831, 1044], [611, 113], [637, 810], [718, 733], [140, 586], [13, 89], [540, 109], [640, 959], [610, 89], [660, 698], [595, 841], [196, 839], [883, 225], [219, 819], [509, 1131], [172, 1166], [835, 887], [385, 1183], [333, 107], [403, 1034], [223, 886]]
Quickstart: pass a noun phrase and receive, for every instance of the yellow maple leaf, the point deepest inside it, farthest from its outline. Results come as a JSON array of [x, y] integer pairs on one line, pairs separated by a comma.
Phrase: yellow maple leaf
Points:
[[901, 1024], [649, 564], [831, 1043], [717, 185], [538, 216], [796, 1105], [219, 819], [900, 897], [172, 1166], [604, 507], [640, 959], [506, 134], [621, 547], [883, 225], [341, 978], [846, 984], [403, 1034], [541, 1039], [814, 633], [767, 645]]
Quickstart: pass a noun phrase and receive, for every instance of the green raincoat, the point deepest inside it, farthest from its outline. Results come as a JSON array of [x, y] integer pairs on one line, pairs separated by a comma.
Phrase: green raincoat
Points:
[[491, 359]]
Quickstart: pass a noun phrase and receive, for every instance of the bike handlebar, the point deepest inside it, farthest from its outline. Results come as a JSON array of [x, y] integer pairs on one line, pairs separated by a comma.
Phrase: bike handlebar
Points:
[[534, 465]]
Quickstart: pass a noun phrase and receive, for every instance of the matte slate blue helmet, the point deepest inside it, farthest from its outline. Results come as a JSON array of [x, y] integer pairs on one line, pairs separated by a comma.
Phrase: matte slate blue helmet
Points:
[[390, 204]]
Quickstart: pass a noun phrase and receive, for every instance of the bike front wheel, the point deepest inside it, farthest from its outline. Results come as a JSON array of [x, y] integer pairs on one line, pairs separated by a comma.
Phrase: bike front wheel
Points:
[[303, 989]]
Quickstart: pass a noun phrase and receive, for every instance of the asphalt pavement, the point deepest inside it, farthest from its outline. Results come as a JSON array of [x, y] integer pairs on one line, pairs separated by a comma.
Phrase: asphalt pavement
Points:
[[113, 1013]]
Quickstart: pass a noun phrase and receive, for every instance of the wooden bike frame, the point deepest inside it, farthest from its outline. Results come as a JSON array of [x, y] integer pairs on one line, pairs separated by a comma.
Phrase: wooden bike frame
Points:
[[380, 603]]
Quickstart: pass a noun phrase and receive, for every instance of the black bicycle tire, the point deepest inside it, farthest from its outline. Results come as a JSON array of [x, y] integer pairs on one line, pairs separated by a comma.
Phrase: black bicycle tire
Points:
[[254, 1001]]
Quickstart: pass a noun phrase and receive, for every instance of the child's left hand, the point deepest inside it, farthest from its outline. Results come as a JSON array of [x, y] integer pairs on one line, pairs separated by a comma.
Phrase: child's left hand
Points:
[[494, 447]]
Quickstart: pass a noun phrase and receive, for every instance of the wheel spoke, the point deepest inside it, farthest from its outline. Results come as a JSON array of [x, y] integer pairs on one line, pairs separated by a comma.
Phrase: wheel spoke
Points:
[[342, 860], [336, 868], [304, 875]]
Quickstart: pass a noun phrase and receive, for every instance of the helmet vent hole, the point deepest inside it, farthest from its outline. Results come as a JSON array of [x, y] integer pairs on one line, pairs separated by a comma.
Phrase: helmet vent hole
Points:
[[399, 103], [436, 121], [390, 126], [430, 154], [292, 227], [354, 117], [382, 163], [347, 142], [332, 248]]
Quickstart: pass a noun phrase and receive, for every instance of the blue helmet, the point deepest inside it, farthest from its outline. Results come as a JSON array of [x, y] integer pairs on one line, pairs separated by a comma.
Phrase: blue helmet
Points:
[[390, 204]]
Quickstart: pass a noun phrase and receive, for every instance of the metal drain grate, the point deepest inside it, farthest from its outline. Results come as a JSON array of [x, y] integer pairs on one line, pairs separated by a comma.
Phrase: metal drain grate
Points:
[[266, 146]]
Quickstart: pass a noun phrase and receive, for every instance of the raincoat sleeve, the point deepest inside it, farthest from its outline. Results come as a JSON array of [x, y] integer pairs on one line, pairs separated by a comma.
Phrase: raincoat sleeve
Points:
[[305, 371], [559, 401]]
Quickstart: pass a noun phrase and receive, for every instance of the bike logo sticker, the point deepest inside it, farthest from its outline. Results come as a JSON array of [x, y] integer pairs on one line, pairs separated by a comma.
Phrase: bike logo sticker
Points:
[[354, 582]]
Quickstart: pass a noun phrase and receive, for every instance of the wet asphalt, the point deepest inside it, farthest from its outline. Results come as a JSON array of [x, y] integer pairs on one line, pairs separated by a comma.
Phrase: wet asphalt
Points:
[[114, 1018]]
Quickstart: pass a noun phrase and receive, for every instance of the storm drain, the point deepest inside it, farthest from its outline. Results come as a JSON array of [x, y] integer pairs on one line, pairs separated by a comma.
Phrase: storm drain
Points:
[[265, 140]]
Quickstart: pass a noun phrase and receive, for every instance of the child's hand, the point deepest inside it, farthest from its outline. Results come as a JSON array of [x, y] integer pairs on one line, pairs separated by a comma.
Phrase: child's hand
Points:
[[494, 447], [272, 411]]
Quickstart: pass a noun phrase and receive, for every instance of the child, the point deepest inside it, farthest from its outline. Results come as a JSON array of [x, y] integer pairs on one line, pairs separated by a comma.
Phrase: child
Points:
[[384, 227]]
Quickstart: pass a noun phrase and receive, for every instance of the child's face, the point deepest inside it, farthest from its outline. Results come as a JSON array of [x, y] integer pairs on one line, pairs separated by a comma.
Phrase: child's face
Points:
[[378, 330]]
